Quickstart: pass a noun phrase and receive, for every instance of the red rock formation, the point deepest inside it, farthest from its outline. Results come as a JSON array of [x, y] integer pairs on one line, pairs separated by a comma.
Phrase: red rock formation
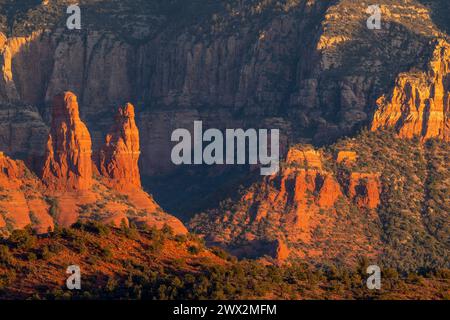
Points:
[[307, 158], [420, 102], [276, 249], [10, 172], [346, 157], [21, 203], [2, 222], [321, 184], [67, 173], [282, 251], [68, 164], [120, 154], [329, 192], [304, 205], [291, 199], [12, 202], [364, 189]]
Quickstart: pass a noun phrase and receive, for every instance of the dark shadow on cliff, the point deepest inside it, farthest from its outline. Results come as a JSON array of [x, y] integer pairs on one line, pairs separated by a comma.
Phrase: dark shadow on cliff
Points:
[[14, 10], [440, 13], [193, 189]]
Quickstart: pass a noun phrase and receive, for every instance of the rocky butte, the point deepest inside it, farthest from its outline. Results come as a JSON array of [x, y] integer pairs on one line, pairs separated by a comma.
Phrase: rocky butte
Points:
[[279, 215], [119, 156], [68, 162], [67, 190]]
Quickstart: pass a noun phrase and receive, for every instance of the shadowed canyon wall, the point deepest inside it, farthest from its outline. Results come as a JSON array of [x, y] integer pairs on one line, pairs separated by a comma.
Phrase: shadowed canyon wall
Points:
[[313, 64]]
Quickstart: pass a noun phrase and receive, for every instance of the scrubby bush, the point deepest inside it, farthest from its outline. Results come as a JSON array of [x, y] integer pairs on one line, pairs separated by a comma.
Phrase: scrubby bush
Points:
[[5, 255], [194, 250]]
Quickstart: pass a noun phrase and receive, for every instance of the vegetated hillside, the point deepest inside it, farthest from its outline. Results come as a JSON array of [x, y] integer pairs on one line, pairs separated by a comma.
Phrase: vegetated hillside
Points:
[[127, 263], [414, 209], [373, 195], [440, 12]]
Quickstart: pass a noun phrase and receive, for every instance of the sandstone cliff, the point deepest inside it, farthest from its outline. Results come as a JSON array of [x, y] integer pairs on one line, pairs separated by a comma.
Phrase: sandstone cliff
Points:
[[419, 105], [313, 62]]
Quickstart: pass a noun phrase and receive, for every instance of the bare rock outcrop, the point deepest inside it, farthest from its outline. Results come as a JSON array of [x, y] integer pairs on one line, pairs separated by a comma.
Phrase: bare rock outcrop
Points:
[[8, 90], [419, 105], [118, 159], [21, 202], [68, 163], [364, 189], [346, 157], [11, 172]]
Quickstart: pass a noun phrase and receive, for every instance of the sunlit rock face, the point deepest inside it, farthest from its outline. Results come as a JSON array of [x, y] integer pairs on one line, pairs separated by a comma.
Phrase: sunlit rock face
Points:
[[120, 155], [290, 206], [67, 191], [68, 163], [419, 103]]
